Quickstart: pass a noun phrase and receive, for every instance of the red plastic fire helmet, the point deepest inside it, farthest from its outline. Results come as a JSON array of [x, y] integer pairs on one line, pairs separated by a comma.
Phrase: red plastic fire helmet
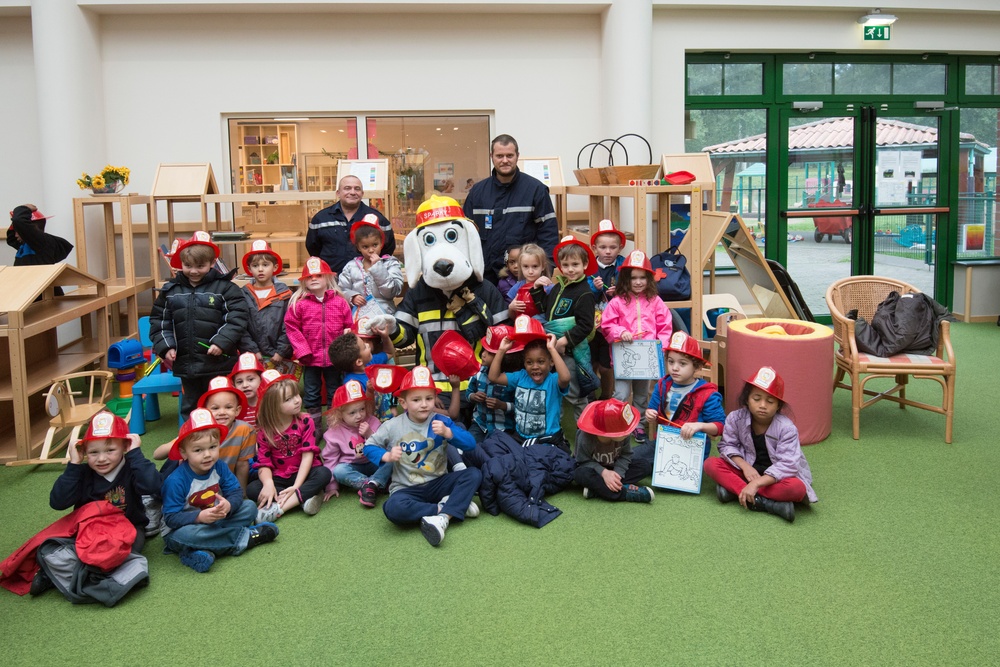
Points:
[[768, 379], [452, 355], [610, 418]]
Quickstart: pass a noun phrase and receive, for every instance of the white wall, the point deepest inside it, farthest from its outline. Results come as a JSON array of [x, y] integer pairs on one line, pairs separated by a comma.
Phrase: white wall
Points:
[[20, 167], [168, 79]]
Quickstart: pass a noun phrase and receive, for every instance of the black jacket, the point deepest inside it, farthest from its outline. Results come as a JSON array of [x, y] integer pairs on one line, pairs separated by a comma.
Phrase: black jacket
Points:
[[329, 235], [266, 326], [190, 319], [517, 479], [902, 324], [520, 212], [575, 300], [47, 248]]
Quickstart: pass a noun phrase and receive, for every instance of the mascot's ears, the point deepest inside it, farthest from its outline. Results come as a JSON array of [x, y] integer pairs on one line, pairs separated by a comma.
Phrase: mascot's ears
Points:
[[413, 249]]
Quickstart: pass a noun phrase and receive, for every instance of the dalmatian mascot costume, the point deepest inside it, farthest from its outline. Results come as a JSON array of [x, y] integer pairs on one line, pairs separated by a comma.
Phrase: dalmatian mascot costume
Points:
[[443, 258]]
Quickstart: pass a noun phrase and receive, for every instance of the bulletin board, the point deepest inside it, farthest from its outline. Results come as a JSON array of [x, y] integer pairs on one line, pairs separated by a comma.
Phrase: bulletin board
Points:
[[374, 174]]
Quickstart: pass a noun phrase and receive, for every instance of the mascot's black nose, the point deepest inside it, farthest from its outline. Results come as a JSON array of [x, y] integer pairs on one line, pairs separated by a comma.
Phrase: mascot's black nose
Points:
[[443, 267]]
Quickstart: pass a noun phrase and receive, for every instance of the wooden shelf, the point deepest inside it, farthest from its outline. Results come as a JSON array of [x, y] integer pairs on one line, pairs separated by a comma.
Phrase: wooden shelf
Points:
[[36, 435], [69, 360]]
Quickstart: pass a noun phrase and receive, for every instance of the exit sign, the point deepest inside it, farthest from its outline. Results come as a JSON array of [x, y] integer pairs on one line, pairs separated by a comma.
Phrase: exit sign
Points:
[[877, 33]]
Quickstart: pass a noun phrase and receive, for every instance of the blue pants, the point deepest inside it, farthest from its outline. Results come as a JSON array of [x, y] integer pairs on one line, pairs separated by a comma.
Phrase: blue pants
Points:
[[408, 505], [313, 378], [355, 475], [227, 537]]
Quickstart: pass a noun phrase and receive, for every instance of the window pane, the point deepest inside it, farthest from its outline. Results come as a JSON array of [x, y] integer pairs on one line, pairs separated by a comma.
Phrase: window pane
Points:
[[704, 79], [919, 79], [744, 79], [807, 79], [428, 155], [736, 141], [979, 79], [978, 216], [861, 78]]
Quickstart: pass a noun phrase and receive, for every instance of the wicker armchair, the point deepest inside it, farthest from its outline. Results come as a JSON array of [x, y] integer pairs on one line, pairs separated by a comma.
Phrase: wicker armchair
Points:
[[865, 293]]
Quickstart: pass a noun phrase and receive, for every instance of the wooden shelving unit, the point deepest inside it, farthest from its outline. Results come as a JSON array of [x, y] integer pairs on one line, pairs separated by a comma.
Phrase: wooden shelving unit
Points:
[[121, 281], [268, 156], [30, 351]]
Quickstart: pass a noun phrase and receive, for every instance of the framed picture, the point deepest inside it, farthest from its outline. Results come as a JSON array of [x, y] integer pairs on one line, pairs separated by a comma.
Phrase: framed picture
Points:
[[638, 360], [677, 462]]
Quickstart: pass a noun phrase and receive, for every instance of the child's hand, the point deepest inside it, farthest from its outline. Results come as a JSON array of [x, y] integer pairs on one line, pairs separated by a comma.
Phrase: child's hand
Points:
[[651, 415], [612, 480], [494, 403], [169, 357], [393, 455], [210, 515], [267, 495], [364, 430], [689, 430], [551, 343], [455, 381], [277, 359], [372, 256], [74, 453], [517, 306], [747, 495], [505, 345], [134, 442], [222, 505], [441, 429], [330, 494], [543, 281], [750, 472], [478, 397], [626, 337], [610, 291], [358, 300], [286, 494], [598, 282], [214, 350], [561, 345]]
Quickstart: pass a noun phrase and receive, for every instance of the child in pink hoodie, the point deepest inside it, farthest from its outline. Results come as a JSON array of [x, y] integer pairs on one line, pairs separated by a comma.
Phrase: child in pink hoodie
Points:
[[636, 313], [317, 313]]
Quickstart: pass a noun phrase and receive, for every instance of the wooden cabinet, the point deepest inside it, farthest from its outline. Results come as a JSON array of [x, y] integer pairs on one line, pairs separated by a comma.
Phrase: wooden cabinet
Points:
[[31, 350], [267, 158]]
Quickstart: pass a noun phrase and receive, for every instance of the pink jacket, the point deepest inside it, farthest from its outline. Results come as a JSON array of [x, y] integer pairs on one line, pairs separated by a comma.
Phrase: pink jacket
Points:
[[312, 325], [644, 318], [339, 447]]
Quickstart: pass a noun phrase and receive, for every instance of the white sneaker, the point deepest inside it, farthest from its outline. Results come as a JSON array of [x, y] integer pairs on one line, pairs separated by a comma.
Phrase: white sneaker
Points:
[[472, 511], [586, 493], [313, 505], [269, 514], [433, 527], [154, 515]]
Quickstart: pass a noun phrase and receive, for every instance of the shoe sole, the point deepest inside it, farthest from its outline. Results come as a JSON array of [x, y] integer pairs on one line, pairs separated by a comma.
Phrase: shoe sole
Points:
[[312, 506], [472, 511], [367, 504], [431, 533]]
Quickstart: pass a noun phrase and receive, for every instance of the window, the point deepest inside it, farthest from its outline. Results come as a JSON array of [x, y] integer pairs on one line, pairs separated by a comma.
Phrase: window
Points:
[[727, 79]]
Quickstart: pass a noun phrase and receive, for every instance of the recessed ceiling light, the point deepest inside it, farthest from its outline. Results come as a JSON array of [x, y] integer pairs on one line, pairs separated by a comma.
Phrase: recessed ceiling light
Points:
[[322, 131]]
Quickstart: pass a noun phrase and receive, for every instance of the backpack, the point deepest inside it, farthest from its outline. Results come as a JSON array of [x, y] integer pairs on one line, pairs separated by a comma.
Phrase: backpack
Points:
[[673, 280]]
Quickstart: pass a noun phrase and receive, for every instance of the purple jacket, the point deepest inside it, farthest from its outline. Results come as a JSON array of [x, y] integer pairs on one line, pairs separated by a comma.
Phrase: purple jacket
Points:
[[783, 447]]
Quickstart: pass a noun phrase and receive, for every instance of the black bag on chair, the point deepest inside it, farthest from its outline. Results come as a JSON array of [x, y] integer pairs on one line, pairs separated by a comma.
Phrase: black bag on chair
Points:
[[673, 280]]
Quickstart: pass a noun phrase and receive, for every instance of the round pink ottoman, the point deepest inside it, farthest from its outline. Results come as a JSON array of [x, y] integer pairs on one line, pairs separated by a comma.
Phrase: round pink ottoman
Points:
[[802, 354]]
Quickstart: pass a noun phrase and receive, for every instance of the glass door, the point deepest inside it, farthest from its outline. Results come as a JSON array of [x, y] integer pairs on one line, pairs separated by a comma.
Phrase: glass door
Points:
[[819, 208]]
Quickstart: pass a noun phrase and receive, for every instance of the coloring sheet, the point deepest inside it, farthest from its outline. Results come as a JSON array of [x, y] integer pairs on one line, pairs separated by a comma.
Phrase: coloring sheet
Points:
[[638, 360], [677, 462]]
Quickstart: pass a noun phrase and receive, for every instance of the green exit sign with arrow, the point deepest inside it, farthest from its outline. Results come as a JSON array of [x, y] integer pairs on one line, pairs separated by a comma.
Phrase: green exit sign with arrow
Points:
[[877, 33]]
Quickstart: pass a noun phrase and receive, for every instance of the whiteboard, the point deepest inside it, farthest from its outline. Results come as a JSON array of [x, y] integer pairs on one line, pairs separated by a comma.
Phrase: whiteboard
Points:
[[546, 169], [373, 174]]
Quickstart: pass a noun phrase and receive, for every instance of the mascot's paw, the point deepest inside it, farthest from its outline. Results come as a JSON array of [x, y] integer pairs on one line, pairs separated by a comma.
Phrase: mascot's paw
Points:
[[460, 298], [385, 323]]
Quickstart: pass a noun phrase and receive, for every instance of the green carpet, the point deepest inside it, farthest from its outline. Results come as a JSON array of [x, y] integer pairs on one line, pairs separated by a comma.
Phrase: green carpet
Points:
[[897, 564]]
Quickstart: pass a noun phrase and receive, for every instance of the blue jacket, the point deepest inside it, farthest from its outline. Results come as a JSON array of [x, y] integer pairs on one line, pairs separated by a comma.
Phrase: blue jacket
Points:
[[520, 212], [329, 235]]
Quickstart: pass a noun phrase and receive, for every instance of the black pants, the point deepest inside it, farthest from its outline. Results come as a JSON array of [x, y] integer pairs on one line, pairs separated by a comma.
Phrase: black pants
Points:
[[638, 470], [193, 388], [319, 477]]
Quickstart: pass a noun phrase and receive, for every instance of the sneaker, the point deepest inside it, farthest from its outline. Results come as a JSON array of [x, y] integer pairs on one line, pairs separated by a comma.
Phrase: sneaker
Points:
[[154, 514], [367, 494], [270, 513], [198, 560], [471, 512], [262, 533], [40, 583], [640, 434], [313, 505], [586, 493], [723, 494], [433, 527], [638, 494]]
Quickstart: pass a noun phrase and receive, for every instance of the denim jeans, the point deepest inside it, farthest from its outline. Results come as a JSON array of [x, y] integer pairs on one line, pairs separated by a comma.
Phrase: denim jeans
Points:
[[409, 504], [313, 378], [226, 537], [355, 475]]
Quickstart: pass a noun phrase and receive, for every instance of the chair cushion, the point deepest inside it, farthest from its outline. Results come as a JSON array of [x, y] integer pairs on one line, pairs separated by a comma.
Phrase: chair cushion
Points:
[[900, 359]]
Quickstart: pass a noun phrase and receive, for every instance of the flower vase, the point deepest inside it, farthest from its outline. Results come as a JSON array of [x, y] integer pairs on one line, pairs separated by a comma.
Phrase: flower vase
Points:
[[108, 190]]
